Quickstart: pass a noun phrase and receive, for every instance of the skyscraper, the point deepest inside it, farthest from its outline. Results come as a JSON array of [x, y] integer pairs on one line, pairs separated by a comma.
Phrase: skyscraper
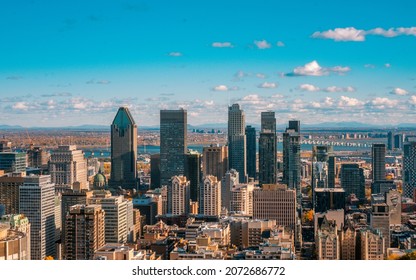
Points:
[[237, 141], [210, 202], [37, 196], [268, 149], [409, 170], [215, 160], [193, 173], [178, 196], [123, 150], [390, 141], [398, 141], [323, 168], [37, 157], [378, 163], [84, 229], [251, 151], [154, 171], [68, 166], [173, 144], [353, 180], [291, 157]]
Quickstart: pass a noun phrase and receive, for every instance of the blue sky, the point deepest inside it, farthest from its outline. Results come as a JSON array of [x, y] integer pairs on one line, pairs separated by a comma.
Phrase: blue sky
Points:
[[70, 62]]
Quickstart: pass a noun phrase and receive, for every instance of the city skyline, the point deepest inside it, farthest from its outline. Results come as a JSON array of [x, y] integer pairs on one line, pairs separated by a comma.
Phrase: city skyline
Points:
[[306, 61]]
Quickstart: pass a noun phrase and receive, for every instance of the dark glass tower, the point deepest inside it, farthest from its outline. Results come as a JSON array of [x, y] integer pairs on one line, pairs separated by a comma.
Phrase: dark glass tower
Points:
[[237, 141], [291, 158], [173, 144], [193, 173], [268, 149], [123, 150], [378, 156], [251, 151], [352, 180]]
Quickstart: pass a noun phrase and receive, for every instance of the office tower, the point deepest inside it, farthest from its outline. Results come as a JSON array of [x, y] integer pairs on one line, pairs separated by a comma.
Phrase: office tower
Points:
[[409, 169], [149, 207], [5, 146], [228, 182], [173, 144], [115, 208], [291, 158], [123, 150], [210, 202], [275, 202], [398, 141], [12, 162], [378, 163], [251, 151], [380, 220], [154, 171], [327, 240], [84, 229], [390, 141], [179, 196], [58, 216], [37, 157], [67, 167], [332, 166], [215, 160], [193, 173], [241, 199], [323, 168], [329, 199], [9, 193], [37, 203], [372, 244], [268, 149], [237, 141], [382, 186], [352, 180]]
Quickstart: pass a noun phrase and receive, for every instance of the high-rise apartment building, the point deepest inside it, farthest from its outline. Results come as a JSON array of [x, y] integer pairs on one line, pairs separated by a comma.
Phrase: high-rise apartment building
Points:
[[68, 166], [84, 229], [179, 196], [275, 202], [123, 150], [291, 157], [409, 169], [241, 199], [237, 141], [230, 179], [173, 144], [251, 151], [268, 149], [215, 160], [210, 202], [37, 196], [353, 180]]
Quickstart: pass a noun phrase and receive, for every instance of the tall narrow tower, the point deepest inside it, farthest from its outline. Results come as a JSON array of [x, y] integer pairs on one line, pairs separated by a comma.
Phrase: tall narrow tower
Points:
[[237, 141], [291, 157], [123, 150], [267, 149]]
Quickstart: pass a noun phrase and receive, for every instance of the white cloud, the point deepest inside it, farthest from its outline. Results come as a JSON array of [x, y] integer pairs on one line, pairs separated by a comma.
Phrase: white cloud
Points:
[[346, 101], [387, 65], [222, 45], [262, 44], [399, 91], [261, 76], [339, 89], [341, 34], [353, 34], [308, 87], [314, 69], [383, 102], [413, 99], [267, 85], [220, 88], [280, 44], [175, 54], [20, 106], [100, 82]]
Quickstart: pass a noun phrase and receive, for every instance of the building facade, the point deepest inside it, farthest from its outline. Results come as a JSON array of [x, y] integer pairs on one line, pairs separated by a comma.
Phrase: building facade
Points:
[[237, 141]]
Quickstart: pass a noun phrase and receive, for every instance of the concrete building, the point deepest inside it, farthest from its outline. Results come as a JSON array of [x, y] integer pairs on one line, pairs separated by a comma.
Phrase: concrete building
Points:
[[179, 195], [348, 242], [12, 162], [149, 207], [215, 161], [327, 241], [210, 202], [173, 143], [37, 204], [237, 141], [37, 157], [372, 244], [247, 233], [68, 167], [85, 234], [380, 220], [409, 170], [291, 158], [5, 146], [241, 201], [251, 149], [275, 202], [123, 150], [14, 244], [230, 180], [115, 208], [268, 149], [9, 192]]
